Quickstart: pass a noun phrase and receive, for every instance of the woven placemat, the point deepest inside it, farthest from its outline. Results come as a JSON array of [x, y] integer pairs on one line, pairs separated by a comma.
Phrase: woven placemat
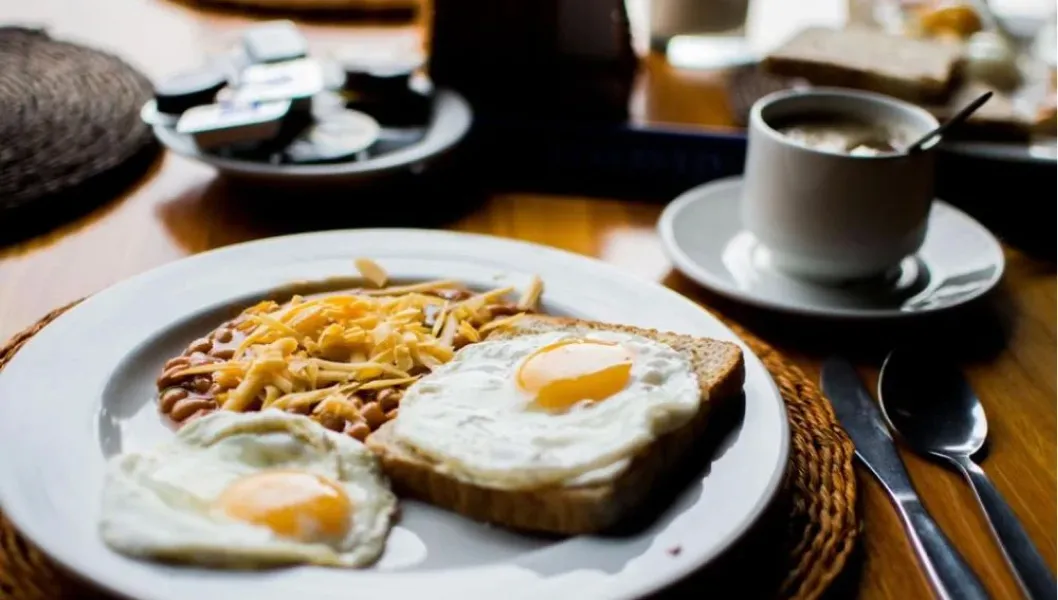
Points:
[[822, 523], [69, 115]]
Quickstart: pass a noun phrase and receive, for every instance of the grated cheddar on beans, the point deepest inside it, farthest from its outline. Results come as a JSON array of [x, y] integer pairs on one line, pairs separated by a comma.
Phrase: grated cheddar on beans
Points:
[[343, 359]]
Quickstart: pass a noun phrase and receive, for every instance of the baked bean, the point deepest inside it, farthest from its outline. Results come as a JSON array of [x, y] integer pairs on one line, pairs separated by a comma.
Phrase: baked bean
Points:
[[189, 406], [170, 397], [357, 430], [223, 335], [388, 399], [200, 345], [373, 415], [179, 361], [202, 384], [169, 378], [503, 310], [391, 414], [459, 341], [332, 421], [224, 353], [198, 359]]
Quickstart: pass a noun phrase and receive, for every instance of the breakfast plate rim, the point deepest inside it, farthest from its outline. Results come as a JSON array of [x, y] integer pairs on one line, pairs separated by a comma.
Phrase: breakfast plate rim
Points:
[[719, 190], [28, 517]]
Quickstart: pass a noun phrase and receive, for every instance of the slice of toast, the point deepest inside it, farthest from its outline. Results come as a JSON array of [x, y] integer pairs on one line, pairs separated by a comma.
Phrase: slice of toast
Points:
[[581, 509], [861, 58]]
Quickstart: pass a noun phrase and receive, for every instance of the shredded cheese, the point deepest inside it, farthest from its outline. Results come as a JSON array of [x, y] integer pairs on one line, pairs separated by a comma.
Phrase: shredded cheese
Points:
[[315, 354], [371, 271]]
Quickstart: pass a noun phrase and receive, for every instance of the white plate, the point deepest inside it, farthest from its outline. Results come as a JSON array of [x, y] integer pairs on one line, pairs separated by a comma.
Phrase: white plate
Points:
[[449, 123], [82, 388], [701, 232]]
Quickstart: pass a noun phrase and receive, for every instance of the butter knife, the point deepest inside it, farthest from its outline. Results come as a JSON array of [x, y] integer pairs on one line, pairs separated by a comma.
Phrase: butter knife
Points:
[[948, 573]]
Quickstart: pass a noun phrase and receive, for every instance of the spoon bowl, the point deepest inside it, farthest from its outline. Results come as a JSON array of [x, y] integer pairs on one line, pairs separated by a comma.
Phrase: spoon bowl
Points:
[[931, 406]]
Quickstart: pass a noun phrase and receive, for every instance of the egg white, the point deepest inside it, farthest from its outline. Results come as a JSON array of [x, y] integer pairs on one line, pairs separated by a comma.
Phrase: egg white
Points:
[[157, 504], [472, 419]]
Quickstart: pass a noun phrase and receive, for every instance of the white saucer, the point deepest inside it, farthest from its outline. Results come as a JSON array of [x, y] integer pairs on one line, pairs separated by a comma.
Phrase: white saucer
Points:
[[702, 235]]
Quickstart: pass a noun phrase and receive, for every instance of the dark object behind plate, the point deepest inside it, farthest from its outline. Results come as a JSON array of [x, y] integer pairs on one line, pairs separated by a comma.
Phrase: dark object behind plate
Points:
[[69, 122], [601, 159], [560, 59]]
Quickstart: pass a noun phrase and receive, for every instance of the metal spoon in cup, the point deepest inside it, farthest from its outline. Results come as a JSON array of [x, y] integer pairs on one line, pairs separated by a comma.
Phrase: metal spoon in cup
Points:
[[931, 406], [955, 120]]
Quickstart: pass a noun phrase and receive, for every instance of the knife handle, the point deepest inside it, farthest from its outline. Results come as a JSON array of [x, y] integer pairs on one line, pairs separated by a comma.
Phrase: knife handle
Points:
[[948, 573]]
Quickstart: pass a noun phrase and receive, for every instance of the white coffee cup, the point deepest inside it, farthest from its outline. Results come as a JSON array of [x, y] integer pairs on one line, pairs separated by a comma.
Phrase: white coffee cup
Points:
[[834, 216]]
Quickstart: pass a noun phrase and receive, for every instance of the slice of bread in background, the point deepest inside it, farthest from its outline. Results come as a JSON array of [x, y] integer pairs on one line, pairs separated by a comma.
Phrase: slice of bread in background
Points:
[[857, 57], [582, 509]]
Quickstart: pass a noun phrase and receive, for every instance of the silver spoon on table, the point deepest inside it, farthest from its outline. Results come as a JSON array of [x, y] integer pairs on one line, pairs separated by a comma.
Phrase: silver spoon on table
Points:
[[930, 405]]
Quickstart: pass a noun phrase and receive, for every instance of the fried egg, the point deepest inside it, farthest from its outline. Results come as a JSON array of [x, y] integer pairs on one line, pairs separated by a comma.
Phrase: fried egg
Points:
[[249, 489], [557, 408]]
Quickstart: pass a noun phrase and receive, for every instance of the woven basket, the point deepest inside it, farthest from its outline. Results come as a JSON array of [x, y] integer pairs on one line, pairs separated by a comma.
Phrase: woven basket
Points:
[[69, 121]]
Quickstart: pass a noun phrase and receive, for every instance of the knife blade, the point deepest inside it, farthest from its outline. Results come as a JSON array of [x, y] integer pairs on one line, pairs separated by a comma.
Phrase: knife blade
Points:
[[947, 571], [862, 420]]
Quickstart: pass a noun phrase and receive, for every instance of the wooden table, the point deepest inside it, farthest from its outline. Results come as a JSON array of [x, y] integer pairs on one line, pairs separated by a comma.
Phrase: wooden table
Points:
[[1007, 345]]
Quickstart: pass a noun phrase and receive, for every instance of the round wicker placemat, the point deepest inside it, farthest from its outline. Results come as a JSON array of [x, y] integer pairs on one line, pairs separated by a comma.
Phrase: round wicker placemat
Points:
[[68, 114], [822, 523]]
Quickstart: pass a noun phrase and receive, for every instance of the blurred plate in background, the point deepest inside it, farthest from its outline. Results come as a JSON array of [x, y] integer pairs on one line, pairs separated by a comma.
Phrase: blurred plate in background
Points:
[[449, 123]]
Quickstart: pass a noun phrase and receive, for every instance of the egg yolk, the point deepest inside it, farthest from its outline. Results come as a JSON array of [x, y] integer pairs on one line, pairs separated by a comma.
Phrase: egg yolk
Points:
[[573, 371], [295, 505]]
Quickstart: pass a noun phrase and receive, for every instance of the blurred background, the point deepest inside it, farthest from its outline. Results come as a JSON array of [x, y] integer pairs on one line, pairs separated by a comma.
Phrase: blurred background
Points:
[[639, 99]]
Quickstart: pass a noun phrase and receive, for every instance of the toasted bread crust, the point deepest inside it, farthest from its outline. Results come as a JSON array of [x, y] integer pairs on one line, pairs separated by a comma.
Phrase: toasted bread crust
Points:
[[720, 370], [915, 70]]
